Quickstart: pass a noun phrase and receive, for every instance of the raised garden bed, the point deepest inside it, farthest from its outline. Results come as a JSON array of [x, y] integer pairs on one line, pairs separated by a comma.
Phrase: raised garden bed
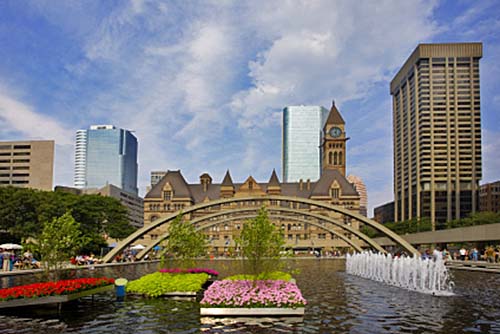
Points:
[[242, 311], [53, 292], [172, 283], [253, 298]]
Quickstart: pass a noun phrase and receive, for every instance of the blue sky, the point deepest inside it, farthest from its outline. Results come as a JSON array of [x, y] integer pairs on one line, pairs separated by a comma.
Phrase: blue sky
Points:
[[203, 83]]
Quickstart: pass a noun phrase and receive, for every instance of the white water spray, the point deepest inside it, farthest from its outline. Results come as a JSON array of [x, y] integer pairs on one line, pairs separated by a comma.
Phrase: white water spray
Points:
[[412, 273]]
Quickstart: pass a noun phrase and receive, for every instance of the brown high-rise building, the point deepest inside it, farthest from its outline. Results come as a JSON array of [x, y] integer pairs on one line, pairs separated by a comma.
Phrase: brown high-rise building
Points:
[[489, 197], [437, 133], [27, 164]]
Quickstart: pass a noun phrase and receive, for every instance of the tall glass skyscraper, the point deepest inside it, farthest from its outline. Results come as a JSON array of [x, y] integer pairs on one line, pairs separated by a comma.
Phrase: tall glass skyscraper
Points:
[[302, 128], [106, 155]]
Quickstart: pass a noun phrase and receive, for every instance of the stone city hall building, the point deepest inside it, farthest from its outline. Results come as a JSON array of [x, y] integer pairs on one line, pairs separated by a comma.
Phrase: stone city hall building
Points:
[[172, 193]]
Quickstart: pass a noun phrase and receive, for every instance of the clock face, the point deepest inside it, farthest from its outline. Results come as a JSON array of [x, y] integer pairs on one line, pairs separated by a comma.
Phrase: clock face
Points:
[[335, 132]]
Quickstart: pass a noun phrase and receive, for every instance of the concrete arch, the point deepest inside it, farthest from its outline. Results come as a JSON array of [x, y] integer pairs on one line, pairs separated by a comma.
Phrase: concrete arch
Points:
[[164, 236], [262, 200]]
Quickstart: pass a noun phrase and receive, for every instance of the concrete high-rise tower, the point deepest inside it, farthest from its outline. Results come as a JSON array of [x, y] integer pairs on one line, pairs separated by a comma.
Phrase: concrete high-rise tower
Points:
[[302, 127], [360, 187], [106, 155], [437, 133]]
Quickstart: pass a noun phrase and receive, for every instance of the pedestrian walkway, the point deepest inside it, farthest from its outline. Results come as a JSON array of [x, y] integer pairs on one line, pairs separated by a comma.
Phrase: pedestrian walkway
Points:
[[482, 266]]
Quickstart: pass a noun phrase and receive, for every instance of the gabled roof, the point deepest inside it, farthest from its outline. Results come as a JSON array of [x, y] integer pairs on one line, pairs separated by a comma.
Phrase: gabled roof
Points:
[[176, 181], [199, 195], [274, 181], [334, 116], [322, 187], [227, 180]]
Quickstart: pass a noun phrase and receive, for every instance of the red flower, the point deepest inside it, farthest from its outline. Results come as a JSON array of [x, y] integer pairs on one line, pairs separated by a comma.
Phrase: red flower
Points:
[[53, 288]]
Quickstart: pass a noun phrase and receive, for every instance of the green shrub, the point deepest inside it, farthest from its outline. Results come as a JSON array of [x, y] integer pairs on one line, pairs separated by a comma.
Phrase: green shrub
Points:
[[274, 275], [157, 284]]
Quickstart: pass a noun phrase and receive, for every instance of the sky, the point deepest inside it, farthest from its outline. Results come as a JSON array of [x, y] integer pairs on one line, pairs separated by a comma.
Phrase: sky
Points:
[[203, 83]]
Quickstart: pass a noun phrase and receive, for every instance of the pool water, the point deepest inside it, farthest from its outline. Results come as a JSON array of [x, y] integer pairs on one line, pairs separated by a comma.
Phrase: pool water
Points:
[[337, 303]]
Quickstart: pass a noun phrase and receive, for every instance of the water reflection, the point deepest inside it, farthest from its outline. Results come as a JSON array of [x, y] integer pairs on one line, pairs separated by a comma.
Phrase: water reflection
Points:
[[338, 303]]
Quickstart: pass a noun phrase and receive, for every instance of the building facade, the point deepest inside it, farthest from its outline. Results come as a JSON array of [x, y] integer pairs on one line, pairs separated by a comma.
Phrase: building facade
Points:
[[384, 213], [133, 203], [27, 164], [301, 142], [105, 155], [489, 197], [360, 187], [437, 133], [173, 193], [156, 176]]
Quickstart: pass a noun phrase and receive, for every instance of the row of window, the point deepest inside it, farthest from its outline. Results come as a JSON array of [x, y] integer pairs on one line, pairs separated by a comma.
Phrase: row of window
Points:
[[14, 160], [16, 147]]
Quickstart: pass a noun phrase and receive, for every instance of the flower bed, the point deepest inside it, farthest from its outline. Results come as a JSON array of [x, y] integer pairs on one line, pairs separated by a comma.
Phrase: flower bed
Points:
[[164, 284], [275, 275], [211, 272], [253, 297], [63, 287], [53, 292]]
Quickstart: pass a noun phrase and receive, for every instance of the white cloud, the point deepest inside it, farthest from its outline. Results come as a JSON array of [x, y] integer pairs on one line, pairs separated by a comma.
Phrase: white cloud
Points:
[[329, 49], [19, 119], [183, 76]]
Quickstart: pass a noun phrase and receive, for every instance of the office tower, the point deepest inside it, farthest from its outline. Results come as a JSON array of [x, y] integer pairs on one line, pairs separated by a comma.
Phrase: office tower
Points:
[[360, 187], [301, 154], [106, 155], [27, 164], [80, 159], [489, 197], [156, 176], [437, 133]]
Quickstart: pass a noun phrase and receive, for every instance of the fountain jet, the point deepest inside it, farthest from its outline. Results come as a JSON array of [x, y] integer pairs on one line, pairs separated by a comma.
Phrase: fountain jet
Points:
[[413, 273]]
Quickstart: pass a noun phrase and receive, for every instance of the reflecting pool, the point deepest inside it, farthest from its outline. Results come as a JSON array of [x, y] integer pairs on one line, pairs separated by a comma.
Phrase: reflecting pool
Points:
[[337, 303]]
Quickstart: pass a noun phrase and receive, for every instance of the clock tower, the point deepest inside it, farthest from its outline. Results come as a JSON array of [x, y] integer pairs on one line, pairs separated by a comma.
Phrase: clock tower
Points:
[[334, 142]]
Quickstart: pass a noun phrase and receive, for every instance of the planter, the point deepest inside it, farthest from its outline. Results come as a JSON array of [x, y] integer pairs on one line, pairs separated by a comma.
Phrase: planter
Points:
[[53, 299], [262, 311], [168, 294]]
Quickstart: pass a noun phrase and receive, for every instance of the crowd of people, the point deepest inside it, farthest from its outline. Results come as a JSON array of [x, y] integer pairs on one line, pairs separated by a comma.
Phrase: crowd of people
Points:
[[82, 260], [489, 254], [10, 260]]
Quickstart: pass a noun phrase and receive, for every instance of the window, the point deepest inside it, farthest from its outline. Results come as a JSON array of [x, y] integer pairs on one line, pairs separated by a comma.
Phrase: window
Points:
[[335, 158], [167, 195], [330, 158], [334, 192], [21, 147], [340, 158], [250, 185]]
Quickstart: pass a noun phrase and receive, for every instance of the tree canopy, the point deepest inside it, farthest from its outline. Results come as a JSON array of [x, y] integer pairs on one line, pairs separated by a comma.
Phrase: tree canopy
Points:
[[261, 244], [478, 218], [58, 241], [23, 212], [184, 242]]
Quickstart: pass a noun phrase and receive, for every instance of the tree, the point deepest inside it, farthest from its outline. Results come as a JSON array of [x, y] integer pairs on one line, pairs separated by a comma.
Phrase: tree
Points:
[[60, 239], [23, 213], [261, 243], [184, 242], [478, 218]]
